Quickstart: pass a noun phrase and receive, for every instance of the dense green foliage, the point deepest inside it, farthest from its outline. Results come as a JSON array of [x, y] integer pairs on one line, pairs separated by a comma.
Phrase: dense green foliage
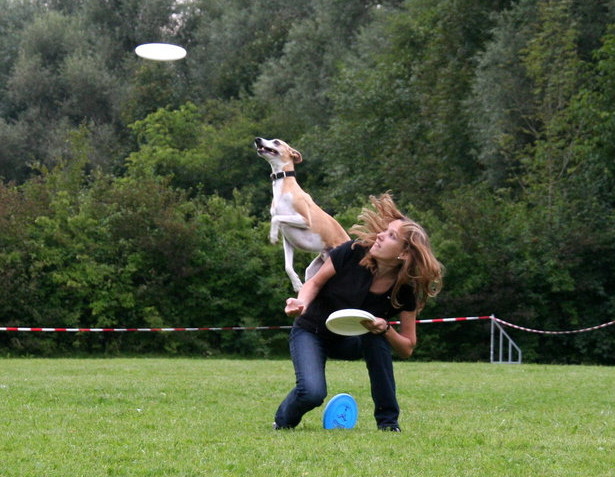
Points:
[[132, 196]]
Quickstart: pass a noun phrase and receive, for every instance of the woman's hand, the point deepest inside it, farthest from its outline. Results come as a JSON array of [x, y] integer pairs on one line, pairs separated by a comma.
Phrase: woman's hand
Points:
[[294, 307], [380, 326]]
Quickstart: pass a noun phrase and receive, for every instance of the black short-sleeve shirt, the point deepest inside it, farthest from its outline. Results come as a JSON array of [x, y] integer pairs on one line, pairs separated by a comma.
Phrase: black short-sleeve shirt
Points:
[[349, 288]]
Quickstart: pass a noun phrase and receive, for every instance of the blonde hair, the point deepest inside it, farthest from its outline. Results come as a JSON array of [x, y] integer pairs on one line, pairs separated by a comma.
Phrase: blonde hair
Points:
[[420, 268]]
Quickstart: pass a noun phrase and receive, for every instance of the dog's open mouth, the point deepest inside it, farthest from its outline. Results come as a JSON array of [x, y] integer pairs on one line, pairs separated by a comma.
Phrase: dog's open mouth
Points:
[[265, 150], [262, 149]]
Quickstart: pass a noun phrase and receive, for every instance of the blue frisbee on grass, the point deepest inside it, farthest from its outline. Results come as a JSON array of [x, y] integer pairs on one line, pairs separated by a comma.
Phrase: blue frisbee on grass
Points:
[[341, 412]]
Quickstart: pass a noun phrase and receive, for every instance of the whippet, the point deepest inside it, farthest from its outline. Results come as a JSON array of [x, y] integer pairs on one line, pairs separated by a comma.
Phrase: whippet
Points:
[[303, 224]]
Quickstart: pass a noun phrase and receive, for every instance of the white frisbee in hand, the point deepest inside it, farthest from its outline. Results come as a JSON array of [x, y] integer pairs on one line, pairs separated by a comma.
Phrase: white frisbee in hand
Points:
[[160, 51], [347, 322]]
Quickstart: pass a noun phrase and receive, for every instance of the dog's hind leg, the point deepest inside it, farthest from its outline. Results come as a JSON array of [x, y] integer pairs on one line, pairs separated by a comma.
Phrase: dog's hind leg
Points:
[[289, 253], [313, 267]]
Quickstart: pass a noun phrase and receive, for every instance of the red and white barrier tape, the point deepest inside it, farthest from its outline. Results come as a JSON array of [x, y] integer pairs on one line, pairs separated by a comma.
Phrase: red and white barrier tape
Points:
[[448, 320], [223, 328], [121, 330], [567, 332], [285, 327]]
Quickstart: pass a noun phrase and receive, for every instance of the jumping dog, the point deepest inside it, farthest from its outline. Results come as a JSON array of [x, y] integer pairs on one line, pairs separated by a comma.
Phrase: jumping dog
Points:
[[303, 224]]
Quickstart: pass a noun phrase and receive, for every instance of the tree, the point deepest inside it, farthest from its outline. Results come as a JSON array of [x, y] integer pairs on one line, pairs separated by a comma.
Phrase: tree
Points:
[[504, 121], [12, 151], [298, 82], [500, 115], [232, 40], [209, 150], [560, 213], [58, 83], [14, 16], [399, 118]]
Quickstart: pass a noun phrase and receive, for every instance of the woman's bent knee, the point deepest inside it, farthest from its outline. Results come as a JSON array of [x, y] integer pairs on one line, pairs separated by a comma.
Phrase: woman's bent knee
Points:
[[313, 398]]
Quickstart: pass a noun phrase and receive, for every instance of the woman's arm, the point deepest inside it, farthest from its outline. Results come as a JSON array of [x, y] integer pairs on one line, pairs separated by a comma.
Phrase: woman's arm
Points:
[[296, 306], [402, 341]]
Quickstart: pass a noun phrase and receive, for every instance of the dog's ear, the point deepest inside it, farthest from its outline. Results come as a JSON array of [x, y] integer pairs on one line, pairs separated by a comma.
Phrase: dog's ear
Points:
[[295, 156]]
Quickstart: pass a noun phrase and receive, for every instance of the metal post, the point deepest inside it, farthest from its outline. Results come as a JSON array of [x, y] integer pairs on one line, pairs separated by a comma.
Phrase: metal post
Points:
[[492, 340], [512, 346]]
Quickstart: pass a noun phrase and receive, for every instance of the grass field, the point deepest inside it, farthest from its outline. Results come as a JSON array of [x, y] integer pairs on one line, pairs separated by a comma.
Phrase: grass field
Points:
[[212, 417]]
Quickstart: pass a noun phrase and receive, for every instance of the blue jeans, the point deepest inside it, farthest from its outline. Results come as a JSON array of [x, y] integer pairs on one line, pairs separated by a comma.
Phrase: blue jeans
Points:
[[310, 351]]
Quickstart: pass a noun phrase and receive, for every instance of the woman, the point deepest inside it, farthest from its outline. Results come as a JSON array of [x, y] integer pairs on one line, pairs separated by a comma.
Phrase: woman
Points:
[[389, 270]]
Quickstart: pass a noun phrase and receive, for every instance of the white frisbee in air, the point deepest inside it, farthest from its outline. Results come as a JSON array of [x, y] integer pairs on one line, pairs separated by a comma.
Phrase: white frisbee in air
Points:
[[347, 322], [160, 51]]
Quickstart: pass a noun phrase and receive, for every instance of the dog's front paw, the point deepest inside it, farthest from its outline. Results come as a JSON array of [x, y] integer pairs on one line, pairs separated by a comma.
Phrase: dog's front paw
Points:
[[273, 238]]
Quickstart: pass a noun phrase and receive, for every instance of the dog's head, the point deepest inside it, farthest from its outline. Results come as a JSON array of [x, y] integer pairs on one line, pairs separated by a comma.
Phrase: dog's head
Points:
[[276, 151]]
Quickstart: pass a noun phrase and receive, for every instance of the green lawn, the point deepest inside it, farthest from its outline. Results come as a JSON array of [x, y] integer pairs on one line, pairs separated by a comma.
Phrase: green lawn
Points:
[[212, 417]]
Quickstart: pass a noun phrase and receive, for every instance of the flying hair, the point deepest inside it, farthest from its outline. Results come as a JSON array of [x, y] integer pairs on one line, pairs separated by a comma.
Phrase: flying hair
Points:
[[420, 268]]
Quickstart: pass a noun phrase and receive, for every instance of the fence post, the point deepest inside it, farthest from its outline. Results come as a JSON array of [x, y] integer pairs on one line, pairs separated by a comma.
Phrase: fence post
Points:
[[498, 339]]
